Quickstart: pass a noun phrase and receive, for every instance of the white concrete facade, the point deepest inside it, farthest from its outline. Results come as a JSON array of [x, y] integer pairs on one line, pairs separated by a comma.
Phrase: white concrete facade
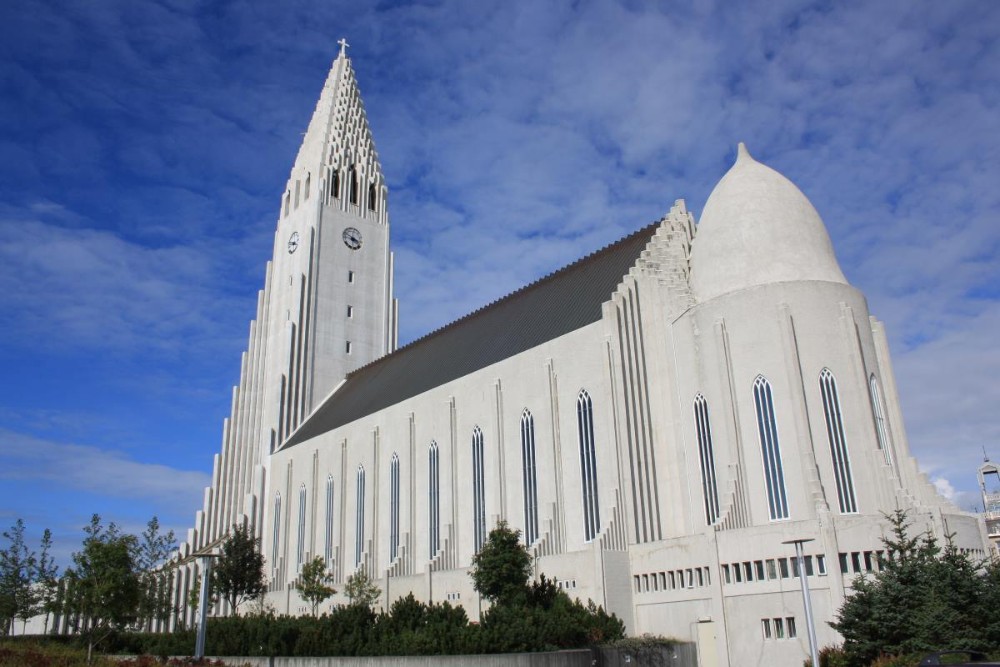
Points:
[[675, 517]]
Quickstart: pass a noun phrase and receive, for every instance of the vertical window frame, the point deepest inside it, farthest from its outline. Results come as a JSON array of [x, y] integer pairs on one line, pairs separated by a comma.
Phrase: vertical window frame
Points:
[[529, 477], [359, 525], [328, 523], [393, 506], [588, 465], [767, 433], [706, 458], [433, 500], [838, 443], [300, 542], [478, 489]]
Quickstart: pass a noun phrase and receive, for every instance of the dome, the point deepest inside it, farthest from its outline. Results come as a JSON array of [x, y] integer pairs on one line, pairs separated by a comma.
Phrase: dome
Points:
[[757, 228]]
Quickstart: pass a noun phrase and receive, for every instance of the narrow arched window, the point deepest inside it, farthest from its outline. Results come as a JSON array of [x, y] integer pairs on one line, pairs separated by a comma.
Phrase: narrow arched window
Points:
[[478, 489], [308, 183], [354, 185], [328, 543], [359, 536], [838, 444], [433, 499], [881, 430], [767, 431], [300, 551], [372, 197], [276, 534], [529, 479], [393, 506], [288, 202], [706, 457], [588, 465], [335, 184]]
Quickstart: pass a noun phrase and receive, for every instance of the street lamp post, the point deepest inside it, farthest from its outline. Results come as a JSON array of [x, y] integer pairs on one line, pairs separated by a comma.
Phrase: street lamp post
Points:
[[806, 600], [205, 559]]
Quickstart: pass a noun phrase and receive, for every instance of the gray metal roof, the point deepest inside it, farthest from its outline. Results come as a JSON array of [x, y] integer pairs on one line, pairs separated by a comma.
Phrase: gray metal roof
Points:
[[563, 301]]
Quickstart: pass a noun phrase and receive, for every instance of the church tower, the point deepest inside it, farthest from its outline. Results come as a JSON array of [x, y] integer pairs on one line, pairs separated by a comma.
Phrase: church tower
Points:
[[326, 308]]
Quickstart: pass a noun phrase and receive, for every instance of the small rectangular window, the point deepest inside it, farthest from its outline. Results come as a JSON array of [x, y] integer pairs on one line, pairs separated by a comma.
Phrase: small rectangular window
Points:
[[868, 561], [738, 571], [779, 628], [783, 567], [748, 570], [708, 577], [759, 568], [645, 582], [663, 580], [690, 578], [725, 574], [347, 347], [795, 566], [821, 565], [350, 311], [638, 588], [701, 577], [772, 569], [856, 561], [844, 569], [350, 276], [765, 624], [790, 626], [673, 580], [809, 566]]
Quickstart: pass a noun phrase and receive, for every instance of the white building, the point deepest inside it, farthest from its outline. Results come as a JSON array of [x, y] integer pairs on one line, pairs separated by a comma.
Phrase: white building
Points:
[[658, 418]]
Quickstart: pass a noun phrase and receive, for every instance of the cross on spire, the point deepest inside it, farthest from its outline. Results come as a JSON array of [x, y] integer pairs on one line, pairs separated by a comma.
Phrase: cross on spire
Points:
[[343, 46]]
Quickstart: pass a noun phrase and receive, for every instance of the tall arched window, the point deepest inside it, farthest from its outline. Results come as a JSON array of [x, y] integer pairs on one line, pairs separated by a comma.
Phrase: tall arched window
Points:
[[478, 489], [300, 550], [353, 184], [529, 478], [588, 465], [881, 429], [276, 534], [433, 499], [706, 456], [393, 506], [767, 430], [335, 184], [328, 538], [359, 536], [838, 444]]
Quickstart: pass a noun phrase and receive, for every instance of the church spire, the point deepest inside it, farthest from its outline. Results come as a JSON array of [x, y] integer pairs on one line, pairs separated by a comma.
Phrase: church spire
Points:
[[338, 145]]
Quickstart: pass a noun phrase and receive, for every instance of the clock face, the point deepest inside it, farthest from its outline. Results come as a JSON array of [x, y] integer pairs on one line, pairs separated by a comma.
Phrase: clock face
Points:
[[352, 238], [293, 242]]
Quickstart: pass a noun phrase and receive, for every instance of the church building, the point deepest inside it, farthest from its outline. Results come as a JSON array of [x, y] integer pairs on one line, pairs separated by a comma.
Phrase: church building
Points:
[[660, 419]]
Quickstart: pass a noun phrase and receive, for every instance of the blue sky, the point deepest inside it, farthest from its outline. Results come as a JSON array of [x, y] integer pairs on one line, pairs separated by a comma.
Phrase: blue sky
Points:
[[144, 147]]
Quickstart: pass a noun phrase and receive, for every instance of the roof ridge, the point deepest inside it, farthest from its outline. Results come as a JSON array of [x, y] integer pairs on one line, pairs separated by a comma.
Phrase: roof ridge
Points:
[[524, 288]]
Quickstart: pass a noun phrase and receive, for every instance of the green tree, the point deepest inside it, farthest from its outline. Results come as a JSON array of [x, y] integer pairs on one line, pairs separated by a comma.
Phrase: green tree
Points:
[[922, 598], [152, 550], [314, 583], [103, 585], [47, 579], [501, 569], [238, 575], [18, 571], [361, 589], [194, 595]]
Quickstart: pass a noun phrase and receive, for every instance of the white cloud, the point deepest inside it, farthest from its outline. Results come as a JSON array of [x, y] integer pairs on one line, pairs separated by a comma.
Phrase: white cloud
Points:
[[97, 471]]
